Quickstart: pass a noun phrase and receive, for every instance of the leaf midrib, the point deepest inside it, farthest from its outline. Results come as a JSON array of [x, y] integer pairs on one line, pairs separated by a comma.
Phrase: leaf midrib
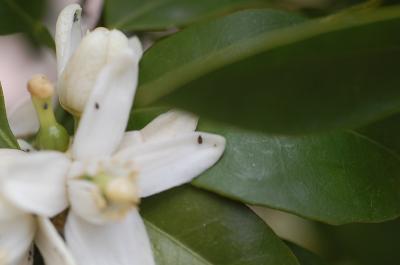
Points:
[[255, 45]]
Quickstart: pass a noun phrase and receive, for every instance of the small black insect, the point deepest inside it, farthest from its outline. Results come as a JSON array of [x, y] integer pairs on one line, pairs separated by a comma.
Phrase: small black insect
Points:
[[76, 18], [97, 105], [199, 139], [45, 106]]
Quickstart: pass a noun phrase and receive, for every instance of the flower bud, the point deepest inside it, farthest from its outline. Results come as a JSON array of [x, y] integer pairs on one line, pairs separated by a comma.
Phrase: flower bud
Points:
[[96, 50]]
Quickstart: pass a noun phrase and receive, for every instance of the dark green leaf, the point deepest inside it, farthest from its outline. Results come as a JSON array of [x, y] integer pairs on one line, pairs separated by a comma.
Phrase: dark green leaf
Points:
[[190, 226], [304, 256], [258, 70], [7, 139], [335, 178], [386, 132], [369, 244], [162, 14], [25, 16]]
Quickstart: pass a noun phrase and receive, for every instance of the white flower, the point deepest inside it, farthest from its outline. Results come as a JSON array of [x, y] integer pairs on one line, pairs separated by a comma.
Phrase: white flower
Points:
[[109, 175], [80, 60], [32, 189], [112, 169]]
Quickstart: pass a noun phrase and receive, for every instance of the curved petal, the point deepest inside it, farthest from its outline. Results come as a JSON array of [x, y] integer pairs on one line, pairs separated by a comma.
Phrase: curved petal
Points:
[[122, 243], [166, 125], [136, 46], [36, 183], [23, 120], [168, 163], [68, 34], [107, 111], [170, 124], [51, 245], [16, 238]]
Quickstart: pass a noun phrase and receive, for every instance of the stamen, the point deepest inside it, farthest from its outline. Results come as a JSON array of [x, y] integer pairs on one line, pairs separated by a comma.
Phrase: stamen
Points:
[[122, 190]]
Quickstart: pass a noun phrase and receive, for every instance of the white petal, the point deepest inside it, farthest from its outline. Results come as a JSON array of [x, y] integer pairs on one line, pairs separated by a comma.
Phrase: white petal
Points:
[[25, 146], [36, 183], [107, 111], [8, 211], [28, 258], [52, 247], [87, 201], [68, 34], [8, 156], [167, 125], [170, 124], [136, 46], [16, 238], [23, 120], [122, 243], [168, 163], [132, 138]]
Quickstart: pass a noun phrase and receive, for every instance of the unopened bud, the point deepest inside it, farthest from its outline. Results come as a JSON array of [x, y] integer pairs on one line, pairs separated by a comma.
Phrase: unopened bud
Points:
[[97, 49]]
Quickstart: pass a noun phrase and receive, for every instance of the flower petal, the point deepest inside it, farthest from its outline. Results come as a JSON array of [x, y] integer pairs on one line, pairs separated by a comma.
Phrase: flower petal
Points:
[[68, 34], [107, 111], [170, 124], [171, 162], [23, 120], [51, 245], [8, 156], [166, 125], [36, 183], [136, 46], [16, 238], [123, 243], [8, 211]]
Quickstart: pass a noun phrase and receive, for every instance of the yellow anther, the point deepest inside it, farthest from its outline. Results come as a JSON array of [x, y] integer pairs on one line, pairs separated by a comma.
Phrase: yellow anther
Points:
[[122, 190]]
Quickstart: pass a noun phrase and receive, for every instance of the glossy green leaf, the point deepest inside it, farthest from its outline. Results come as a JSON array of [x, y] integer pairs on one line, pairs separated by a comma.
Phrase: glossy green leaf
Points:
[[25, 16], [304, 256], [163, 14], [263, 70], [335, 178], [7, 139], [190, 226]]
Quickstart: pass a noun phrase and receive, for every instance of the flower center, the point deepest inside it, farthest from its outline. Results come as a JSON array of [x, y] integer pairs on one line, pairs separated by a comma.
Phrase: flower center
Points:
[[117, 189], [110, 186]]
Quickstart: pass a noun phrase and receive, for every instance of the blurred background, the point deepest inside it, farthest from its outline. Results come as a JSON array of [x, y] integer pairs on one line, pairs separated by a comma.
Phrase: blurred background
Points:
[[355, 244]]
